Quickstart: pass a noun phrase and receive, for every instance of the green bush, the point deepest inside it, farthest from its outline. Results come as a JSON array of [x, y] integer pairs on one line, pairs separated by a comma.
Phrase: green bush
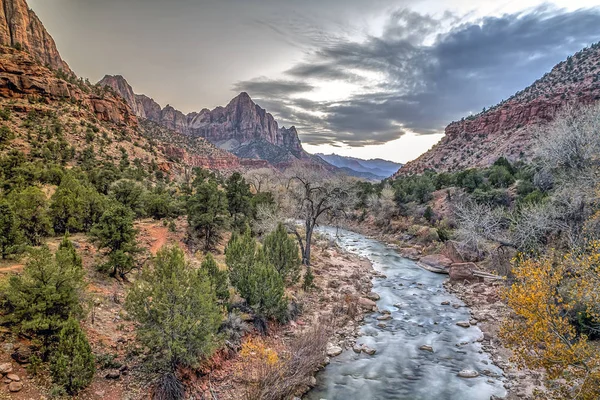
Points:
[[282, 252], [176, 313], [46, 294], [72, 362], [114, 234], [130, 194], [219, 278], [207, 214], [11, 240], [32, 215]]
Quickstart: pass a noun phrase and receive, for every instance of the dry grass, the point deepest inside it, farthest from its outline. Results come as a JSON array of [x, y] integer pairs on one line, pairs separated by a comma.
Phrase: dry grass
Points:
[[283, 378]]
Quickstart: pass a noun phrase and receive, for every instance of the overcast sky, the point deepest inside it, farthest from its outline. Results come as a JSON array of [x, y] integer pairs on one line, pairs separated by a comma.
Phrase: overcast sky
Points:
[[368, 78]]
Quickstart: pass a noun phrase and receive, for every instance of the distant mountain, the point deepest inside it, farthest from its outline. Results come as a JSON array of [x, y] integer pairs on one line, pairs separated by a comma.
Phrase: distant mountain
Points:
[[503, 130], [369, 169], [242, 127]]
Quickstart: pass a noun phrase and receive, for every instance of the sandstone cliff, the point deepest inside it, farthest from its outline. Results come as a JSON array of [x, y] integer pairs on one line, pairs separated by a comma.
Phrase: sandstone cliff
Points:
[[20, 27], [505, 129], [242, 127]]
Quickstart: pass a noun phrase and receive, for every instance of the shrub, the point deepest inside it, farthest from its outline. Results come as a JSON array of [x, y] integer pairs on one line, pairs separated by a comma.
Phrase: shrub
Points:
[[33, 216], [10, 236], [282, 252], [72, 362], [46, 294], [176, 313], [207, 214], [219, 278], [114, 234], [130, 194], [5, 134]]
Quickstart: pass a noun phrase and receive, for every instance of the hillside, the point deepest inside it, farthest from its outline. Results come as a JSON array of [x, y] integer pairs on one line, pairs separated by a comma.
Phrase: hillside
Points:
[[506, 128], [376, 169]]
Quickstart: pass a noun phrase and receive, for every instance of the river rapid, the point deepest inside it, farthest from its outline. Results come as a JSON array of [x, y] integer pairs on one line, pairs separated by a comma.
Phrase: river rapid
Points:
[[399, 369]]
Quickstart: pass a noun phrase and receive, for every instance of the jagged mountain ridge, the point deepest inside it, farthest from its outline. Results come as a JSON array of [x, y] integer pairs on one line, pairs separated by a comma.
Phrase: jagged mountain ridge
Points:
[[370, 169], [242, 127], [504, 129]]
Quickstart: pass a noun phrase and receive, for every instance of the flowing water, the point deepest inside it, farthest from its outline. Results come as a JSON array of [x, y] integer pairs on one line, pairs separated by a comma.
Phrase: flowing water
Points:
[[399, 370]]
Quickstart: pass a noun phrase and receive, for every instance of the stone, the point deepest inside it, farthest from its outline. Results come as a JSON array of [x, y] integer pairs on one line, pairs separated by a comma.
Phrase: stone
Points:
[[436, 263], [473, 322], [333, 350], [426, 347], [445, 303], [15, 387], [463, 324], [357, 348], [463, 272], [367, 304], [373, 296], [113, 375], [384, 317], [312, 381], [382, 325], [13, 377], [368, 350], [467, 373], [21, 354], [5, 368]]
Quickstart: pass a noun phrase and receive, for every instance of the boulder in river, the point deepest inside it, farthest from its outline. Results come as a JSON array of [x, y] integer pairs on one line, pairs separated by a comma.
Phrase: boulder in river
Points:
[[426, 347], [373, 296], [368, 350], [367, 304], [384, 317], [463, 324], [467, 373], [463, 272]]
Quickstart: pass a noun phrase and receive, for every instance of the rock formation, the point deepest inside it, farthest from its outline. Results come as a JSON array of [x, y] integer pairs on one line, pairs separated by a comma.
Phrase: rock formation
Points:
[[242, 127], [21, 28], [505, 129]]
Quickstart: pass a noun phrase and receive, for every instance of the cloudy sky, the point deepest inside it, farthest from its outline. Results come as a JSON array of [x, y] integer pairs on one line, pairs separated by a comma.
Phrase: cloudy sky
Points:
[[368, 78]]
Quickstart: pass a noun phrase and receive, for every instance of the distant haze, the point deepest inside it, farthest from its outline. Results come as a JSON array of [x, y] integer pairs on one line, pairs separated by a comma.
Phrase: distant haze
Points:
[[367, 78]]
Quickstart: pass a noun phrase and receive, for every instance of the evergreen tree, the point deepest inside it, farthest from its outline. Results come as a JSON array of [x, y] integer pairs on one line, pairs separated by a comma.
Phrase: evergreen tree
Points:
[[115, 234], [72, 362], [130, 194], [32, 217], [10, 236], [282, 252], [257, 281], [46, 294], [238, 200], [240, 256], [176, 312], [219, 278], [207, 213], [68, 252], [75, 206]]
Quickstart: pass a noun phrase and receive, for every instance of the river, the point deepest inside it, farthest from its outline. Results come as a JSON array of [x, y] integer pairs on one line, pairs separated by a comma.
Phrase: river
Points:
[[399, 370]]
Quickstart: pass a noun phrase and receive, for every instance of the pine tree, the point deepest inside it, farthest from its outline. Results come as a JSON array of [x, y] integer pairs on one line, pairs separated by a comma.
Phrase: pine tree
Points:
[[282, 252], [257, 281], [68, 251], [176, 312], [10, 236], [219, 278], [46, 294], [32, 216], [115, 234], [238, 200], [72, 362], [207, 213]]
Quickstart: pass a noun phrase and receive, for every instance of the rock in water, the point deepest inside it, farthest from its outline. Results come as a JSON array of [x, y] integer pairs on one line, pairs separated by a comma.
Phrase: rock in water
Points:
[[463, 324], [426, 347], [467, 373]]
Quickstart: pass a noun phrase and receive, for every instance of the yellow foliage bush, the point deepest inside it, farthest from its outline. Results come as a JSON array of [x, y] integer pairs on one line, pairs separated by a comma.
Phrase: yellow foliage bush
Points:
[[545, 293]]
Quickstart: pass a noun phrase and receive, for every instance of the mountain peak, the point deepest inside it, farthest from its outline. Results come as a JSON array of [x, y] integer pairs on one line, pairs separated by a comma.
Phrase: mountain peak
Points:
[[21, 28]]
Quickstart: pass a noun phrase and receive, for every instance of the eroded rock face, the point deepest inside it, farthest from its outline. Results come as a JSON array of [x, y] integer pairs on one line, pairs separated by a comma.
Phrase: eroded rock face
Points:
[[242, 127], [507, 129], [21, 76], [20, 26]]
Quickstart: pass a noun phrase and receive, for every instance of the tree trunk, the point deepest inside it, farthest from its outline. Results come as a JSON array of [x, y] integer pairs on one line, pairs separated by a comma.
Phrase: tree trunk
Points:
[[308, 241]]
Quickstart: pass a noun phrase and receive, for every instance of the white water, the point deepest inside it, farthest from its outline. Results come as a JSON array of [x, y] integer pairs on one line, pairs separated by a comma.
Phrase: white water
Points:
[[399, 370]]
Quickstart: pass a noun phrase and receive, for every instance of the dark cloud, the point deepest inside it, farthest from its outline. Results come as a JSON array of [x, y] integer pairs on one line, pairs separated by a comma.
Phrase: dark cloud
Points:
[[430, 77], [277, 88]]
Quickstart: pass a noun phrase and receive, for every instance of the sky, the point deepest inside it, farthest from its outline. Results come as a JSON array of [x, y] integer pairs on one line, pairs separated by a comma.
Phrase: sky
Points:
[[365, 78]]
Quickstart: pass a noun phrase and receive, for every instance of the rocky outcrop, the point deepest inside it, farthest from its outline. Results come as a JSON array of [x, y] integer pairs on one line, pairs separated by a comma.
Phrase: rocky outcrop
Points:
[[505, 130], [21, 76], [21, 28], [242, 127]]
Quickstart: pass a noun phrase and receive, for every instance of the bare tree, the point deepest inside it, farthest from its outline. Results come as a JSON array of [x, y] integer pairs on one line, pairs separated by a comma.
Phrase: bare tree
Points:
[[261, 179], [383, 207]]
